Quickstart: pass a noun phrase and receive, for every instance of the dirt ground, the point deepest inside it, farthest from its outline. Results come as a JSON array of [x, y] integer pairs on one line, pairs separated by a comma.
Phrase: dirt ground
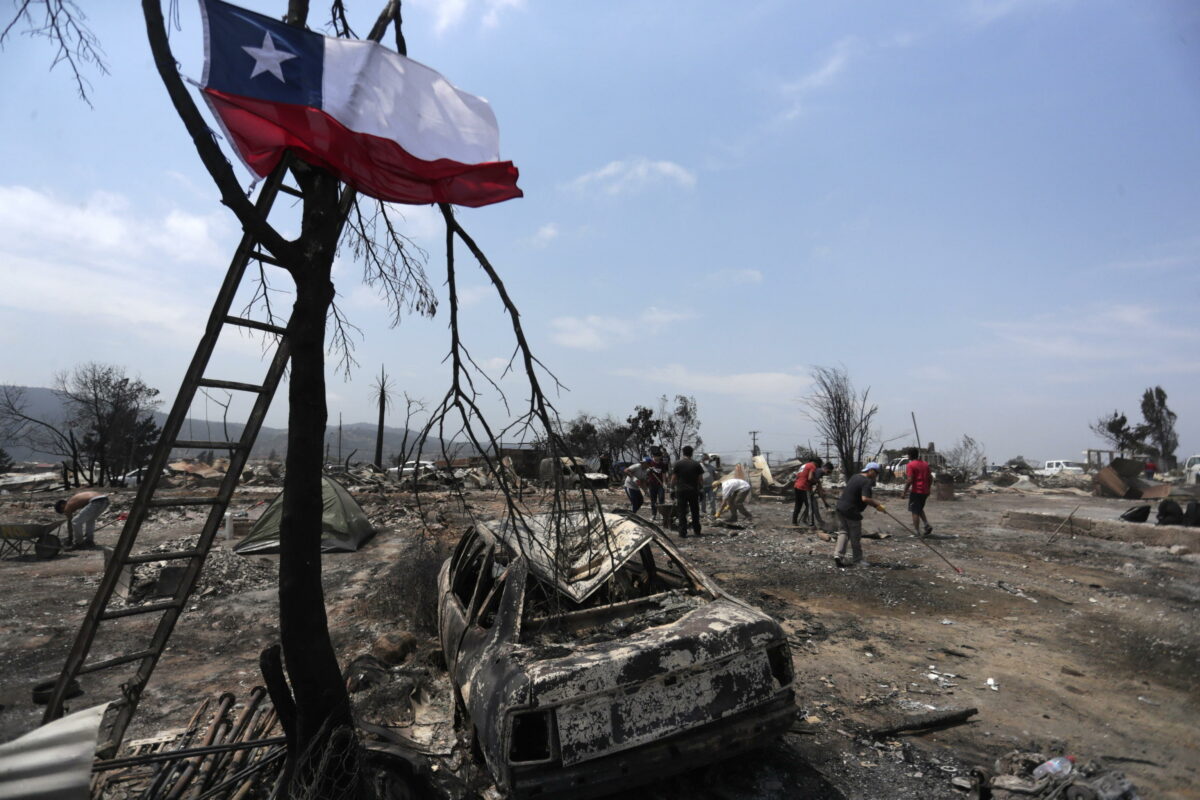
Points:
[[1081, 646]]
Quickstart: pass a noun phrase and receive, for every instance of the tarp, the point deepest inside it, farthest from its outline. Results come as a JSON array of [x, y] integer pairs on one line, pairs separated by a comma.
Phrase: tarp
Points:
[[344, 524]]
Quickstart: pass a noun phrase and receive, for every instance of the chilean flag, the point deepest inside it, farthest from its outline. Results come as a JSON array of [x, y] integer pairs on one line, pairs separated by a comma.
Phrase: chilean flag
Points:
[[388, 126]]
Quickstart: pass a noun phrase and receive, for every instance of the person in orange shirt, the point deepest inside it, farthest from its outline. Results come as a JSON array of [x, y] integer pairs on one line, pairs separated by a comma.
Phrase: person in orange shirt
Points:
[[917, 482], [81, 511]]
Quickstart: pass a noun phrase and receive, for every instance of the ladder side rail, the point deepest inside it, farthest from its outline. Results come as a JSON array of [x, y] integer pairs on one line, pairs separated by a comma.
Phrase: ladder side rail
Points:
[[166, 625], [162, 451]]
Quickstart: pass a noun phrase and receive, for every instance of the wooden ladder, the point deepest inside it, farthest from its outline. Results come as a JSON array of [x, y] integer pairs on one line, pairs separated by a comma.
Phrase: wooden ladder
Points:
[[142, 659]]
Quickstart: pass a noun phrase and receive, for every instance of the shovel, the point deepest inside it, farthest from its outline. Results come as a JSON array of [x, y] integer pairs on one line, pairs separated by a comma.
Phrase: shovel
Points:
[[921, 539]]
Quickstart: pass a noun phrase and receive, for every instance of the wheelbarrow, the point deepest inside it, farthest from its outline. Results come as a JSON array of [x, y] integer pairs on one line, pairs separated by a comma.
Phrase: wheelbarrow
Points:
[[20, 539]]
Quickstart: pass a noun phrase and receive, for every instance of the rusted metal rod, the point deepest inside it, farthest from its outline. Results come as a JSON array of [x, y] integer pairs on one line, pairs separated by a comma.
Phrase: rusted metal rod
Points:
[[173, 755]]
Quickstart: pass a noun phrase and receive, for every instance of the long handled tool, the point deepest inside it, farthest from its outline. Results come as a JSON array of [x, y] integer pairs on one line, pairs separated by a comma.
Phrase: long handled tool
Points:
[[921, 539]]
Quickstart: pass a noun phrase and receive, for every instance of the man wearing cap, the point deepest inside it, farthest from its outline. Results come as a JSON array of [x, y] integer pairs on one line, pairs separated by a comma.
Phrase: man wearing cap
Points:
[[81, 512], [855, 497], [734, 494]]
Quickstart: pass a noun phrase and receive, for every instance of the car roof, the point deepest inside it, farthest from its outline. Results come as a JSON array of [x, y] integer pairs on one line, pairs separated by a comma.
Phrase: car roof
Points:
[[574, 551]]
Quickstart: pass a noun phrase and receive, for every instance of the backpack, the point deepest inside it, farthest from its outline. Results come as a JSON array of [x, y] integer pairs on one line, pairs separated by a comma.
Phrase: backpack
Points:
[[1192, 515], [1169, 513], [1137, 514]]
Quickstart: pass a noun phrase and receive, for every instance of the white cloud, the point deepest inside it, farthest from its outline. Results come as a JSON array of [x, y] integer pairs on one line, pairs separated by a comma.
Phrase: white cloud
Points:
[[617, 177], [473, 295], [545, 235], [821, 77], [596, 332], [736, 276], [495, 8], [1111, 336], [771, 388], [100, 262], [449, 14], [985, 12]]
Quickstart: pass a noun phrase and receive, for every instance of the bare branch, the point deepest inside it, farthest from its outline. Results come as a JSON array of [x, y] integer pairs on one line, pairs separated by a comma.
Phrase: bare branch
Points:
[[64, 24]]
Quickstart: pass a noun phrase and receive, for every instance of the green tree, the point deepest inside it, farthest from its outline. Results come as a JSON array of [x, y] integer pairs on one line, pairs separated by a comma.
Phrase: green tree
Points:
[[6, 462], [1158, 427], [1116, 431], [643, 429]]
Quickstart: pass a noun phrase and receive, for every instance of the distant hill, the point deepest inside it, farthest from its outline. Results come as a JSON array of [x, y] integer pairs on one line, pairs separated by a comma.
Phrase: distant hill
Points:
[[357, 438]]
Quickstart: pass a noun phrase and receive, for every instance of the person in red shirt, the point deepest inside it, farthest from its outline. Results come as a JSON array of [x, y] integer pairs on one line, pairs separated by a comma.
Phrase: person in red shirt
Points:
[[917, 483], [807, 486]]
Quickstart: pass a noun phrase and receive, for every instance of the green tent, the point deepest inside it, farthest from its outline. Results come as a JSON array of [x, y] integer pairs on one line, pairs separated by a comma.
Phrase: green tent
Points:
[[343, 521]]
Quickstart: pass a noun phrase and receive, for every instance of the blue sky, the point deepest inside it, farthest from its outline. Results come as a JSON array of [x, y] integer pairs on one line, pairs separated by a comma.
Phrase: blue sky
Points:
[[985, 210]]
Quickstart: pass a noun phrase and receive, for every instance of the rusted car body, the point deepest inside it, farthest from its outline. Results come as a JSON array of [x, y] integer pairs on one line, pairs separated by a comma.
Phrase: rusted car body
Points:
[[590, 656]]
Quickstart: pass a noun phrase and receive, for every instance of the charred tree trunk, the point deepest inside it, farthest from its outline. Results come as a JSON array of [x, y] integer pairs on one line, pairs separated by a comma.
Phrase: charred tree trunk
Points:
[[322, 703]]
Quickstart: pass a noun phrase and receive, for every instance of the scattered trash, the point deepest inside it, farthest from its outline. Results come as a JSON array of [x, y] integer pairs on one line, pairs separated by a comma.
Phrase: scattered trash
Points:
[[991, 684]]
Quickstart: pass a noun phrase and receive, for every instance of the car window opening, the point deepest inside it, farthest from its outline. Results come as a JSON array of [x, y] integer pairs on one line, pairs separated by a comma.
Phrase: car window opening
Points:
[[651, 588]]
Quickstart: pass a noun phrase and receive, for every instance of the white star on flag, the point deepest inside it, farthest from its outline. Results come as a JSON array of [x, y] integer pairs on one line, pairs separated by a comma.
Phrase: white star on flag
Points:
[[268, 59]]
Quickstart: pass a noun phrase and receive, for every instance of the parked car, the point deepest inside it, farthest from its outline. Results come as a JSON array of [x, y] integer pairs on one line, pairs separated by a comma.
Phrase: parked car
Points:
[[411, 468], [571, 471], [1191, 470], [1061, 468], [590, 656]]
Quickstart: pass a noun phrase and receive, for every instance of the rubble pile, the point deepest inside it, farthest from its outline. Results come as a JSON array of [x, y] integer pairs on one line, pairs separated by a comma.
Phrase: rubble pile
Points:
[[225, 573]]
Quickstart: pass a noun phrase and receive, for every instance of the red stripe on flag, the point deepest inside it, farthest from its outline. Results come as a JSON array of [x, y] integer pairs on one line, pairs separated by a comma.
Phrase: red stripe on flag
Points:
[[262, 131]]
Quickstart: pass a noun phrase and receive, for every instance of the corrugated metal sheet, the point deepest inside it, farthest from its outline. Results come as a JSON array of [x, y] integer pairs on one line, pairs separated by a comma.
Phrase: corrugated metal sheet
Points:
[[53, 762]]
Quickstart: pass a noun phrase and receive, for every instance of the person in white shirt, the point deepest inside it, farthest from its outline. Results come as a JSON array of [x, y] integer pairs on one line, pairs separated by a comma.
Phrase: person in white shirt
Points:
[[734, 494]]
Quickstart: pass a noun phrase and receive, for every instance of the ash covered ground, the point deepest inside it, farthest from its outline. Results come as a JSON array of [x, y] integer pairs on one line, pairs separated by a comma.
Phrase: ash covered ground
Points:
[[1092, 647]]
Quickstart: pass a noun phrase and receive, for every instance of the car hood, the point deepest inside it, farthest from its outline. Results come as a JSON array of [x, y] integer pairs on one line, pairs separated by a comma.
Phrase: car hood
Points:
[[718, 630]]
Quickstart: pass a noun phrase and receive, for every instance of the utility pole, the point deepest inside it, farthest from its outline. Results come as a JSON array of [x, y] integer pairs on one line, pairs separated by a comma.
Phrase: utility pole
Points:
[[754, 443]]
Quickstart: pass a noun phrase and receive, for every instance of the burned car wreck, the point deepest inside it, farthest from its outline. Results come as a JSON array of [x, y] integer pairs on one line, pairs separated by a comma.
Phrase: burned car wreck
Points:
[[590, 656]]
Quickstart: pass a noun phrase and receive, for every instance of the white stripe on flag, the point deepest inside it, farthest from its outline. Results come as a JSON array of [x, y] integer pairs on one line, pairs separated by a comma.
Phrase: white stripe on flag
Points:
[[371, 89]]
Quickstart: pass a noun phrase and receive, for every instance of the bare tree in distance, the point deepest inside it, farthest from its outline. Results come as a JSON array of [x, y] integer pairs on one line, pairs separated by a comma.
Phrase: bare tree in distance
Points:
[[841, 414], [53, 436], [65, 25], [964, 461], [106, 429], [412, 406], [381, 393], [681, 424]]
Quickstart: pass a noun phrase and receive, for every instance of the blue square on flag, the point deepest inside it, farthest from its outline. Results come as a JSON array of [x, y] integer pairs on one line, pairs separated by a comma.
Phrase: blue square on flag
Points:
[[391, 127], [252, 54]]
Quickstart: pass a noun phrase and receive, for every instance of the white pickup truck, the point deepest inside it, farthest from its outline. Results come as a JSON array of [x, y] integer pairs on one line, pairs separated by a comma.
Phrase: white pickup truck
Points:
[[1060, 468], [1191, 470]]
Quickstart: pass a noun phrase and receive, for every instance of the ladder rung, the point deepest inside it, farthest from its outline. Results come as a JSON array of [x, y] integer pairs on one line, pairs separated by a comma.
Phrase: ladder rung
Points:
[[152, 608], [266, 258], [168, 502], [175, 555], [253, 323], [234, 385], [283, 187], [114, 662], [202, 445]]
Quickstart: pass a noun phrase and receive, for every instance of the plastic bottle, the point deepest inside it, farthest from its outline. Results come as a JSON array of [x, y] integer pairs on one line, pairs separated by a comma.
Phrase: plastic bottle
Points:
[[1058, 767]]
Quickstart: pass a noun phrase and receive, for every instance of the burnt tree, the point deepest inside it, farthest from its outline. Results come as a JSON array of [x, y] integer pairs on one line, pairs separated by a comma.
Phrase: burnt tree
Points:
[[315, 709]]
